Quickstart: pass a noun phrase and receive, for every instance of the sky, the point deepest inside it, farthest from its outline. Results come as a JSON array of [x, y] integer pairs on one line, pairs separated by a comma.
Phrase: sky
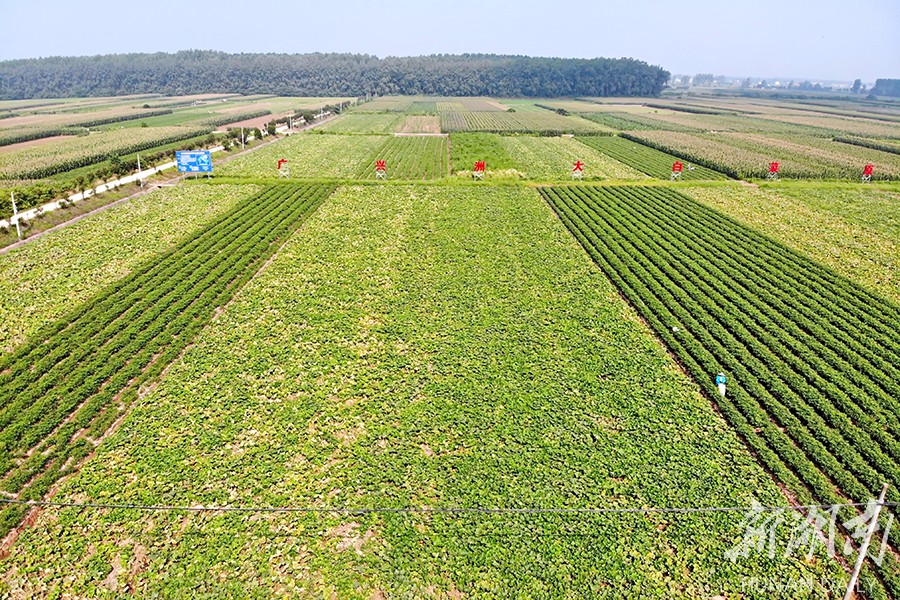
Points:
[[785, 39]]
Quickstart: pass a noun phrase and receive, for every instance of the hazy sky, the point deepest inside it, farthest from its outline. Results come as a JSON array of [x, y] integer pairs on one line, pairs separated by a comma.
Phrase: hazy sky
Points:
[[816, 39]]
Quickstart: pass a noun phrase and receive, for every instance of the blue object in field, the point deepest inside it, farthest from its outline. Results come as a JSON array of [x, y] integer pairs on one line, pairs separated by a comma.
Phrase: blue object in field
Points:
[[720, 378], [193, 161]]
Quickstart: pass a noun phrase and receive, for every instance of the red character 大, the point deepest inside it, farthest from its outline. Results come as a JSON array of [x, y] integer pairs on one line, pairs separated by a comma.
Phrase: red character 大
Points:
[[579, 166]]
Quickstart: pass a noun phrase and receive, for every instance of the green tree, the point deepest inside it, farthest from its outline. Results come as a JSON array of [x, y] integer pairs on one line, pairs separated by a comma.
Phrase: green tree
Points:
[[271, 127], [856, 86]]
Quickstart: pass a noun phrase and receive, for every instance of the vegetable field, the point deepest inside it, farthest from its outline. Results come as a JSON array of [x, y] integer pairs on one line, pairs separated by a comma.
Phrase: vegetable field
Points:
[[813, 361], [313, 383], [552, 159], [61, 391], [364, 123], [413, 157], [542, 121], [645, 159], [44, 160], [46, 278], [468, 148], [748, 155], [308, 155], [853, 231], [440, 346]]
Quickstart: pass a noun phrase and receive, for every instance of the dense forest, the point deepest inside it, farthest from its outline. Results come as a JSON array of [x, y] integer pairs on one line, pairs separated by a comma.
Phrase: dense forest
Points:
[[199, 71]]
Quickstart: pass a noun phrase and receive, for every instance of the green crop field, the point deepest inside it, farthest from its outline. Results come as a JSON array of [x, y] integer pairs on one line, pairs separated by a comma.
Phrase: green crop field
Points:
[[364, 123], [46, 278], [468, 148], [647, 160], [853, 231], [537, 121], [55, 157], [326, 385], [816, 385], [552, 159], [748, 155], [382, 359], [308, 155], [75, 376], [410, 157]]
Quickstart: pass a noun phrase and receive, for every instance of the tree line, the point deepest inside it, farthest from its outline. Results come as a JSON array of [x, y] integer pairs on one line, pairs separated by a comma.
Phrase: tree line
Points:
[[203, 71]]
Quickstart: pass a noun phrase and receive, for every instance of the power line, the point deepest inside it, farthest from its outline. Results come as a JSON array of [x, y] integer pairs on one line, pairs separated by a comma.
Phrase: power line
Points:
[[428, 510]]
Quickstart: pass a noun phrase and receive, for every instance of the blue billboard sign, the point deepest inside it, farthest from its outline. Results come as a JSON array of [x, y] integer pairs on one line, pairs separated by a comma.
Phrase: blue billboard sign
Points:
[[193, 161]]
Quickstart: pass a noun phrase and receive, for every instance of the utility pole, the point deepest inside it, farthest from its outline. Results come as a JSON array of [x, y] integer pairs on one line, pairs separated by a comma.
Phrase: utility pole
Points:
[[242, 138], [140, 181], [16, 215], [864, 549]]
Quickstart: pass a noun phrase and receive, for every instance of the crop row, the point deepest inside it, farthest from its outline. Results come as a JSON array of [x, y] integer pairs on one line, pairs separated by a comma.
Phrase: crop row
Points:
[[42, 161], [410, 157], [27, 134], [308, 155], [544, 122], [554, 158], [628, 122], [744, 155], [811, 361], [220, 120], [644, 158], [69, 382], [884, 146]]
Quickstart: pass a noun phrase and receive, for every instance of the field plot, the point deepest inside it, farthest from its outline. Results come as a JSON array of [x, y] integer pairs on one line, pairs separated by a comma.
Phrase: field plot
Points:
[[467, 148], [422, 107], [812, 362], [420, 124], [856, 232], [60, 391], [645, 159], [861, 127], [649, 117], [552, 159], [421, 346], [308, 155], [748, 156], [538, 121], [410, 157], [363, 123], [622, 121], [575, 106], [43, 280], [37, 162], [101, 116], [386, 103]]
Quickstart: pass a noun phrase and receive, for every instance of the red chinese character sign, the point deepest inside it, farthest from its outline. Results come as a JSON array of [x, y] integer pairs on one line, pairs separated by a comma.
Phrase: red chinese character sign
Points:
[[677, 168], [380, 169], [773, 170], [578, 171], [868, 171], [283, 169], [479, 170]]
